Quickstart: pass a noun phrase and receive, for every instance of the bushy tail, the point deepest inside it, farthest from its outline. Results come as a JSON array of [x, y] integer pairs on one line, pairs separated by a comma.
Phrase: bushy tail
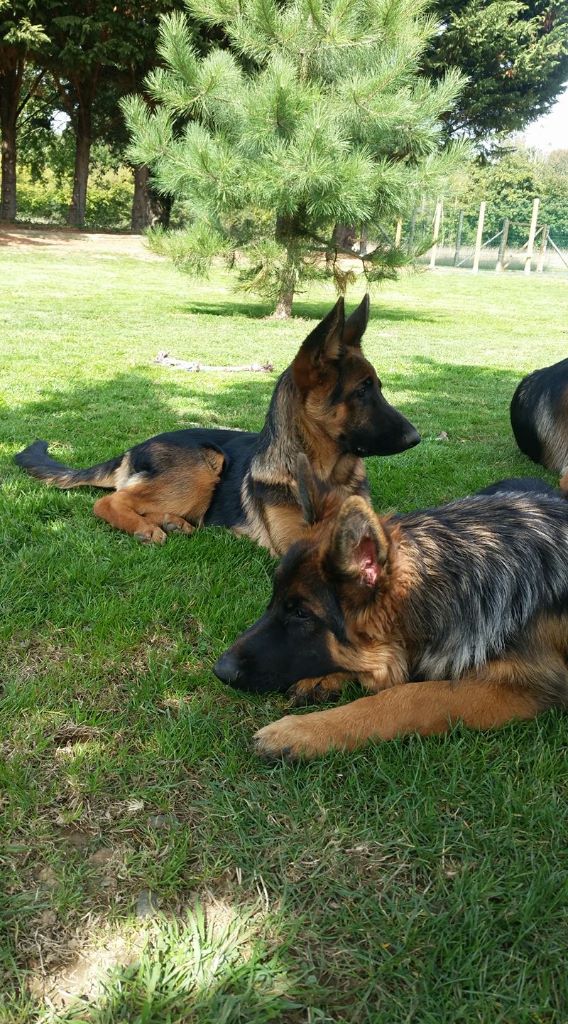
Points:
[[37, 462]]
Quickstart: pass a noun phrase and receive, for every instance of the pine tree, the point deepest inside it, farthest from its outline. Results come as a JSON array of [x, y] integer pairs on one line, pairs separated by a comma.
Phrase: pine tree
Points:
[[316, 115]]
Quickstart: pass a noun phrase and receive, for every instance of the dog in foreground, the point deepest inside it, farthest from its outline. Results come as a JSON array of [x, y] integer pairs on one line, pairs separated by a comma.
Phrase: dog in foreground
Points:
[[451, 614], [328, 404]]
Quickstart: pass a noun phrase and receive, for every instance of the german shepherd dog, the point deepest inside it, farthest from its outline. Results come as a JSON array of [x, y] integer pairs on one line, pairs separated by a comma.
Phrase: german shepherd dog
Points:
[[458, 613], [539, 418], [328, 404]]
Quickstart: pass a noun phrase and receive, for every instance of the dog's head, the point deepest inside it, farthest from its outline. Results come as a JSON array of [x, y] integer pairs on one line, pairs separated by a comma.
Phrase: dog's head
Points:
[[326, 591], [341, 391]]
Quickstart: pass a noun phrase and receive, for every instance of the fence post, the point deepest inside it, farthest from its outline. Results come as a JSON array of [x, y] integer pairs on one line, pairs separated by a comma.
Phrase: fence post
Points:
[[543, 248], [532, 233], [500, 265], [479, 237], [458, 237], [398, 233], [437, 219]]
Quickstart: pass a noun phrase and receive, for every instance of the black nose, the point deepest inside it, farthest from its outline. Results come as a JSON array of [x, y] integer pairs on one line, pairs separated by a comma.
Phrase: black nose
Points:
[[227, 668], [412, 438]]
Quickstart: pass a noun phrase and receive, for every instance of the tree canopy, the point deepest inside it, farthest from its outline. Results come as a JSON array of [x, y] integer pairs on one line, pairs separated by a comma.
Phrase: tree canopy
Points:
[[515, 56], [316, 115]]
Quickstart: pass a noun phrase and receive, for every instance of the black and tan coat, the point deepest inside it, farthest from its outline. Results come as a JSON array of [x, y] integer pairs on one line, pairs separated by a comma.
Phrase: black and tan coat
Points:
[[458, 613], [327, 405]]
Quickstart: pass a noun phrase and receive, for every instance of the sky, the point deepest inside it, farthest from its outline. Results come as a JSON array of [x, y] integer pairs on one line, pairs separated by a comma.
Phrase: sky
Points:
[[551, 131]]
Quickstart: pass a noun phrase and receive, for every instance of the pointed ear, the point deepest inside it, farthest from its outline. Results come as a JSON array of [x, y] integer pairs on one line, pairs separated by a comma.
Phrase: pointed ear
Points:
[[311, 491], [321, 347], [356, 324], [360, 544]]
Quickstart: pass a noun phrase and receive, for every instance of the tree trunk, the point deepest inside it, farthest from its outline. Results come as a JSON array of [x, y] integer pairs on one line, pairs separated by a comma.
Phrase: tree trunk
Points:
[[10, 86], [344, 236], [283, 308], [160, 207], [77, 209], [141, 208], [8, 201], [286, 235], [149, 208]]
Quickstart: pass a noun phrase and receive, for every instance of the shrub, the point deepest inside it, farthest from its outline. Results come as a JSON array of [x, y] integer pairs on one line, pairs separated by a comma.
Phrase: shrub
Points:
[[46, 199]]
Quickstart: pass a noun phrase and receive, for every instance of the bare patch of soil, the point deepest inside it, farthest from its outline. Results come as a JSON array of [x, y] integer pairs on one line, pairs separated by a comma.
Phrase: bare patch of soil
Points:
[[95, 243]]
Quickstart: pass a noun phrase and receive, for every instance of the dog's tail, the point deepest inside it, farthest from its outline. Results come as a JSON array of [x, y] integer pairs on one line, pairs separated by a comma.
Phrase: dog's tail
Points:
[[36, 461]]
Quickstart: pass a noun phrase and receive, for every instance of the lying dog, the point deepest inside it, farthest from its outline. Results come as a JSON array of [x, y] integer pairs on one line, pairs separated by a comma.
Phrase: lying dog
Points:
[[539, 418], [458, 613], [328, 404]]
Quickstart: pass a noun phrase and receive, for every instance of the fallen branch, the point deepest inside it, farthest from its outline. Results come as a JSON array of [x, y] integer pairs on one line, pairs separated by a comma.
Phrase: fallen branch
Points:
[[164, 359]]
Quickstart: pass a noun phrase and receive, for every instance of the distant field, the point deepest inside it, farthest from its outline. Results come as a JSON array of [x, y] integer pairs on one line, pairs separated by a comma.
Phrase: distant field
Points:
[[421, 881]]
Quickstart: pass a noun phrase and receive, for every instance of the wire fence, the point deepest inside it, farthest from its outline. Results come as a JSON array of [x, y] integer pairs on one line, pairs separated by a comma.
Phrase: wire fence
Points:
[[453, 237]]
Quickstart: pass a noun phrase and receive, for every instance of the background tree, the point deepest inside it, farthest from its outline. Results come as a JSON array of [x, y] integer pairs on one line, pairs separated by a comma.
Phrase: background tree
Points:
[[515, 55], [20, 38], [99, 50], [322, 119], [509, 186]]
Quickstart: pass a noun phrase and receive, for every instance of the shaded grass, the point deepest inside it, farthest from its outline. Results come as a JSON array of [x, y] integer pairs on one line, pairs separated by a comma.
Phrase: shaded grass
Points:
[[421, 880]]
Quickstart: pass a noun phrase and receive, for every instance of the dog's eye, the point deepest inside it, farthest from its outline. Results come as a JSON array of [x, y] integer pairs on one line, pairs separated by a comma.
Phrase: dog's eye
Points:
[[295, 611], [364, 387]]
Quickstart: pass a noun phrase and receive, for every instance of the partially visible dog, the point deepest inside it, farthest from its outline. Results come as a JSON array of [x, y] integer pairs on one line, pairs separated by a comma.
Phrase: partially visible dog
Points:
[[522, 485], [328, 404], [539, 418], [458, 613]]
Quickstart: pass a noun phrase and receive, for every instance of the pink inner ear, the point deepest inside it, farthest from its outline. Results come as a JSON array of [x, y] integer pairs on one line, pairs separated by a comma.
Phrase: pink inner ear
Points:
[[368, 565]]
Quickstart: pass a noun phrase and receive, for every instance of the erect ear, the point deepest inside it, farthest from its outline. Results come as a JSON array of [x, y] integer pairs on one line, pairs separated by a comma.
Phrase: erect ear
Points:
[[321, 347], [311, 491], [360, 544], [356, 324]]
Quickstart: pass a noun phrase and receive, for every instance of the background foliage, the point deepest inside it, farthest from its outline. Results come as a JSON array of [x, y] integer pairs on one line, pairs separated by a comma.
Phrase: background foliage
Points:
[[509, 186]]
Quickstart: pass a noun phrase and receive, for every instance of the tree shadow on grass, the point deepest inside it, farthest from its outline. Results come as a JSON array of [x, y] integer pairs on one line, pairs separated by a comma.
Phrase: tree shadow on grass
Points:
[[304, 309], [461, 412], [133, 405]]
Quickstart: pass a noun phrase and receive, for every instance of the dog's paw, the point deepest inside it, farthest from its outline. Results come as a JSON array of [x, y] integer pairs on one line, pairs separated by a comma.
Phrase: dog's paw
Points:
[[325, 689], [292, 738], [153, 535], [175, 524]]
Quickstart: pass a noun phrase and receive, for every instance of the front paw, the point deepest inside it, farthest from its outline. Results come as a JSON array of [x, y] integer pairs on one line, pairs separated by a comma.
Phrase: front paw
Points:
[[325, 689], [293, 737]]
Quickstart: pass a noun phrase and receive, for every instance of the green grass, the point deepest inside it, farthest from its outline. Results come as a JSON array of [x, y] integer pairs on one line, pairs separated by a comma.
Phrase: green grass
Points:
[[418, 881]]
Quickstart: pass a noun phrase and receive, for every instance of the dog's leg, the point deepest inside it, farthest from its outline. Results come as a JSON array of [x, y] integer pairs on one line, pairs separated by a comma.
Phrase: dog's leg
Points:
[[151, 508], [426, 708], [318, 690], [389, 669], [118, 510]]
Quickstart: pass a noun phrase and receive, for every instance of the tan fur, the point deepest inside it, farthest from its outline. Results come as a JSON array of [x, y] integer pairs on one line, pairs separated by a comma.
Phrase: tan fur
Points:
[[318, 690], [328, 399], [150, 509], [425, 708], [378, 652]]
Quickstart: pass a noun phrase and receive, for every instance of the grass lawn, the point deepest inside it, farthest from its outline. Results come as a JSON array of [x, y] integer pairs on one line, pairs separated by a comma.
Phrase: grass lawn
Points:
[[143, 845]]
